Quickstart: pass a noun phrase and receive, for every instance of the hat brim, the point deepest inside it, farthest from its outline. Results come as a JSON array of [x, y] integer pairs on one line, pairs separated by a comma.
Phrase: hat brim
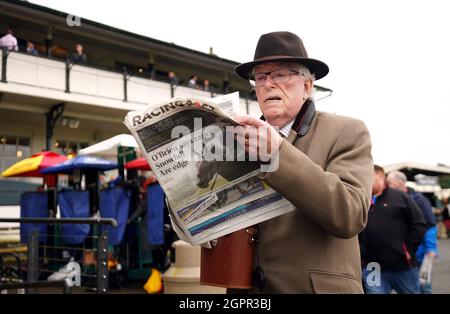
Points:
[[316, 67]]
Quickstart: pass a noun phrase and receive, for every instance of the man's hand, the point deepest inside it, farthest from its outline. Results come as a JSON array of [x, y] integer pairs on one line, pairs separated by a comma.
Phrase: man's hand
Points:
[[432, 254], [261, 140]]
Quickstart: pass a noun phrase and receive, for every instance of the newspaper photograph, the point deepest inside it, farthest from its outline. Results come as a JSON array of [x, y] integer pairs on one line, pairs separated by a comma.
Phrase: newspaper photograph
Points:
[[211, 183]]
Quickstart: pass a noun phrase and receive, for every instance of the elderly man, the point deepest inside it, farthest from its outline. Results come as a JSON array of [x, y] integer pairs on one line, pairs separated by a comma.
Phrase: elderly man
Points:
[[324, 169], [428, 247]]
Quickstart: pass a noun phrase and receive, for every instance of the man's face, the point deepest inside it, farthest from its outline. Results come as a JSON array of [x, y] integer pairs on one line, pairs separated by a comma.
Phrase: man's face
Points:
[[281, 102], [378, 183]]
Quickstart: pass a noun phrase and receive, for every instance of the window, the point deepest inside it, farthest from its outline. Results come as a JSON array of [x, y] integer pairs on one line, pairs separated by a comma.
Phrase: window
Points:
[[12, 149], [66, 147]]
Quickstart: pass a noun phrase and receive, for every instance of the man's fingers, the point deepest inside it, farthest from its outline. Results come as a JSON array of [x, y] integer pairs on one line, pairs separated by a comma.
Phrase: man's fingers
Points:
[[241, 119], [249, 120]]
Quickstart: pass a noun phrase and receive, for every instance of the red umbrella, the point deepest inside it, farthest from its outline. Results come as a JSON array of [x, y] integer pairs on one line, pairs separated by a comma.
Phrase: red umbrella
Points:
[[139, 164]]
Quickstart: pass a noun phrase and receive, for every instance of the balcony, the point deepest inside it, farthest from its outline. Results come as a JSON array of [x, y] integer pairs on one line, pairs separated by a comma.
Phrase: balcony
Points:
[[37, 76]]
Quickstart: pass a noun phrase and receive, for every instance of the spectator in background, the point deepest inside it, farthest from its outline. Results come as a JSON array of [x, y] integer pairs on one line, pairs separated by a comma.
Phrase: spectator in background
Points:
[[395, 229], [78, 57], [143, 183], [446, 214], [30, 49], [117, 181], [397, 180], [226, 87], [438, 209], [206, 85], [102, 181], [173, 79], [192, 81], [446, 208], [9, 41]]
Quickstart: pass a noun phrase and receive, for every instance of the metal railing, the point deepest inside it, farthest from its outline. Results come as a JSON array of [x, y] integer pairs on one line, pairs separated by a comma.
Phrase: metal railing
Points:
[[49, 253], [56, 74]]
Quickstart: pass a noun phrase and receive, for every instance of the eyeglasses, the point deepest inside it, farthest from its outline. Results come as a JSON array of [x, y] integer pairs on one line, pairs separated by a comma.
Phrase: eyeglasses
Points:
[[277, 76]]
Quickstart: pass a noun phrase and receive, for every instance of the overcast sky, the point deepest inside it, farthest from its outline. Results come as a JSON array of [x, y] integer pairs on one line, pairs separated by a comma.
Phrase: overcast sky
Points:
[[389, 60]]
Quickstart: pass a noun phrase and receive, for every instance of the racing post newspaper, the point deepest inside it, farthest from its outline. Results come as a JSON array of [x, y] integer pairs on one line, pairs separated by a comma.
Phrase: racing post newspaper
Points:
[[212, 186]]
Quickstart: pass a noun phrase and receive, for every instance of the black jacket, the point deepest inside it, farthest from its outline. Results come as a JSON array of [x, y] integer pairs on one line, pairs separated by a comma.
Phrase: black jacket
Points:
[[394, 230]]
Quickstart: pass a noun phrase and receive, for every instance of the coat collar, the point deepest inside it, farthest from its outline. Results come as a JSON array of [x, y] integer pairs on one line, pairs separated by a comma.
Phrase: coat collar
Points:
[[303, 121]]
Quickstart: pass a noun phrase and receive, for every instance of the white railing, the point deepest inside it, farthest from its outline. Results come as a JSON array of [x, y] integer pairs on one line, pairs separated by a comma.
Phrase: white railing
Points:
[[95, 82], [147, 91], [41, 72], [85, 80]]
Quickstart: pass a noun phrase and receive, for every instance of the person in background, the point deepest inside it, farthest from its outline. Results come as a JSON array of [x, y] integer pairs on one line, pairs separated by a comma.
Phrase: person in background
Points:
[[78, 57], [446, 215], [9, 42], [117, 181], [30, 49], [206, 85], [172, 79], [395, 229], [438, 210], [397, 180], [192, 83]]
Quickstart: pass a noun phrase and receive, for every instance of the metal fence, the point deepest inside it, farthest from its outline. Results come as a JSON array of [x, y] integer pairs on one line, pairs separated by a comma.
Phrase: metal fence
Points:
[[54, 263]]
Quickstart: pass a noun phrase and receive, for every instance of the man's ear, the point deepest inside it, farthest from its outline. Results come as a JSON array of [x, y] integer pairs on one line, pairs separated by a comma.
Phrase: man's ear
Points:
[[308, 87]]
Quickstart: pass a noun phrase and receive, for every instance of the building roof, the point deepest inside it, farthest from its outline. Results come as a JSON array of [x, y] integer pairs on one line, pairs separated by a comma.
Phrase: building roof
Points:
[[413, 168], [61, 14]]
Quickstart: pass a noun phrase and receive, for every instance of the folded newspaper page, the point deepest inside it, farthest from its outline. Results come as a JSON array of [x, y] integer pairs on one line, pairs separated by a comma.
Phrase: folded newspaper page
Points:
[[426, 269], [211, 185]]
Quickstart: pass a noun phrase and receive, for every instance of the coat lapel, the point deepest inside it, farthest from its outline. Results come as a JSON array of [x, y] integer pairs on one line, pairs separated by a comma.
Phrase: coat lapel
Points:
[[301, 133]]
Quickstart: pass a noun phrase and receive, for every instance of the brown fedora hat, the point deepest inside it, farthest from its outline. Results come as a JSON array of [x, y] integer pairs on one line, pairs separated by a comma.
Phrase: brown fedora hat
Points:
[[282, 47]]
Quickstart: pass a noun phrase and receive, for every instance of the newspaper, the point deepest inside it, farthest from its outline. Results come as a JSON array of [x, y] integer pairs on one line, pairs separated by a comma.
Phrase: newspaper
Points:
[[426, 269], [212, 188]]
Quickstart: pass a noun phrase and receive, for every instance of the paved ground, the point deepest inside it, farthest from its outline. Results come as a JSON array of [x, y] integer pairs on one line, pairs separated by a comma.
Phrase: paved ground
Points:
[[441, 275]]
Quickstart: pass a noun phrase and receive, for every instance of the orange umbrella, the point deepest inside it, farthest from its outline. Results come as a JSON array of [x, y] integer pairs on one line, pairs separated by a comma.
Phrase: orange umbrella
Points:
[[30, 167], [139, 164]]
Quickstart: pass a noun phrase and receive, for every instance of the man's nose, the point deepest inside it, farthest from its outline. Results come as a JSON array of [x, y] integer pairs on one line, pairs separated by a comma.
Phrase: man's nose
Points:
[[269, 83]]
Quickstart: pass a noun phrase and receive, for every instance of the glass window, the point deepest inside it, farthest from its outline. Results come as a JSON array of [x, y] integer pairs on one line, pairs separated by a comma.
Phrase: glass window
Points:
[[12, 149], [65, 147], [24, 141]]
